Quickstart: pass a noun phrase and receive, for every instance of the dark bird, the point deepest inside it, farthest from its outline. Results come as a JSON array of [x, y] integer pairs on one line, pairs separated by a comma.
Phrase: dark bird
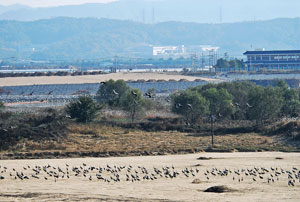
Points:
[[134, 93], [31, 93], [291, 183], [148, 95]]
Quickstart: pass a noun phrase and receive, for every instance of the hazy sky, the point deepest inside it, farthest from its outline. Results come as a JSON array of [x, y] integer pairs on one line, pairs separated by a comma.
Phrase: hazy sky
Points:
[[45, 3]]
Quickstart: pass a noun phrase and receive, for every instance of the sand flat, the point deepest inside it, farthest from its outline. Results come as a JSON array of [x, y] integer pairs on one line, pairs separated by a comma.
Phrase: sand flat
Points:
[[43, 80], [180, 188]]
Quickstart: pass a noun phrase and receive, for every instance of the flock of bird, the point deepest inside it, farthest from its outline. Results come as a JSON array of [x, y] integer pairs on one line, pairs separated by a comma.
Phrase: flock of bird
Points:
[[45, 97], [24, 97], [128, 173]]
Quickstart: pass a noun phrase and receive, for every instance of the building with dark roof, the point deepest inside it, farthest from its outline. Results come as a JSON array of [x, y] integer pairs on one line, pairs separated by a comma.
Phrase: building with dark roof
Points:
[[273, 60]]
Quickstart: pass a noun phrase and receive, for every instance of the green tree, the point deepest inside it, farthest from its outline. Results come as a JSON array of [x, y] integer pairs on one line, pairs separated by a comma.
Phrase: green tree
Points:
[[236, 63], [111, 92], [220, 101], [240, 92], [222, 63], [133, 103], [83, 109], [190, 104], [291, 103], [266, 103]]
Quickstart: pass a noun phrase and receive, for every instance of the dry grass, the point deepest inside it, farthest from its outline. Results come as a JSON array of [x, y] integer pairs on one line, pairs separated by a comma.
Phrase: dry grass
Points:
[[101, 138], [94, 139]]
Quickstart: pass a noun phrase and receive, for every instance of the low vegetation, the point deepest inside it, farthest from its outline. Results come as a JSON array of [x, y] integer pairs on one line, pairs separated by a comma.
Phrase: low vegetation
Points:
[[83, 109], [16, 127], [246, 118]]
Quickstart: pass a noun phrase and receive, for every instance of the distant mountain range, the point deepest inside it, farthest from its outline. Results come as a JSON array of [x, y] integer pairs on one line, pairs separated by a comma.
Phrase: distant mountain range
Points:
[[12, 8], [153, 11], [88, 38]]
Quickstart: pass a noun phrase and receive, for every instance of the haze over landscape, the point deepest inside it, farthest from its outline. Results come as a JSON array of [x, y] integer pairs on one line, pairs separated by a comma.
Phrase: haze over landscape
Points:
[[150, 100], [153, 11], [41, 30], [64, 39]]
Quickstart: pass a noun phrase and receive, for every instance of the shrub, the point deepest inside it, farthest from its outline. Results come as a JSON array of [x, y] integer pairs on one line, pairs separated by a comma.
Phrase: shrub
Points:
[[83, 109]]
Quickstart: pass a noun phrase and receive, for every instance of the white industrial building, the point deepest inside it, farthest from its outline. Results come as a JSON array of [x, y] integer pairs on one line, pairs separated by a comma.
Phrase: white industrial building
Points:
[[168, 50]]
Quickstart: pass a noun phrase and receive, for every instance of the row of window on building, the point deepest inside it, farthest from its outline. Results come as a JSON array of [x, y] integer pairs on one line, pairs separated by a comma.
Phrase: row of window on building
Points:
[[273, 60], [273, 57]]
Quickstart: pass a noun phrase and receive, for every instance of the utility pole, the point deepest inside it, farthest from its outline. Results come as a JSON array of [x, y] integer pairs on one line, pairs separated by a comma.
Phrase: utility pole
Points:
[[212, 129], [194, 58], [221, 14], [202, 61], [13, 64], [113, 68], [153, 15], [221, 11], [143, 16], [116, 64]]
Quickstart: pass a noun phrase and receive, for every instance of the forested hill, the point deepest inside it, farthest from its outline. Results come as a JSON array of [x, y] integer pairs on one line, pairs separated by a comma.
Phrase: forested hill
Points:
[[86, 38], [149, 11]]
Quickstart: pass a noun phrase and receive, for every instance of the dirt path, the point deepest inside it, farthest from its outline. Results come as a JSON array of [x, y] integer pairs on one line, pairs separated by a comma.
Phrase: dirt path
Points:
[[42, 80]]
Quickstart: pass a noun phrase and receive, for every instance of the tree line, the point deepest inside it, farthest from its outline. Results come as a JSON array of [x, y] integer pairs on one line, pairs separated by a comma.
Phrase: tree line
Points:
[[234, 101]]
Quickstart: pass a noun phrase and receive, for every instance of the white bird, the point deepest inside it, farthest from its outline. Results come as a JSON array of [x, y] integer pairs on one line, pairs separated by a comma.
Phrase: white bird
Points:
[[115, 92], [248, 105]]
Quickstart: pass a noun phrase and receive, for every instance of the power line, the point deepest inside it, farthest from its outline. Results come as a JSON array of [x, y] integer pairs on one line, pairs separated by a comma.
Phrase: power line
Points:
[[221, 14], [143, 16], [153, 15]]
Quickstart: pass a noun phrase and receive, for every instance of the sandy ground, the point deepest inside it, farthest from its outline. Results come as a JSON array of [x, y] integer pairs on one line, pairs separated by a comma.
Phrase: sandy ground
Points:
[[20, 81], [181, 188]]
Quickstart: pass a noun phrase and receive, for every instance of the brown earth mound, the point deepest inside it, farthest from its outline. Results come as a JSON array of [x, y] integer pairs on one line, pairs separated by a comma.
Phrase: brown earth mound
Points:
[[219, 189]]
